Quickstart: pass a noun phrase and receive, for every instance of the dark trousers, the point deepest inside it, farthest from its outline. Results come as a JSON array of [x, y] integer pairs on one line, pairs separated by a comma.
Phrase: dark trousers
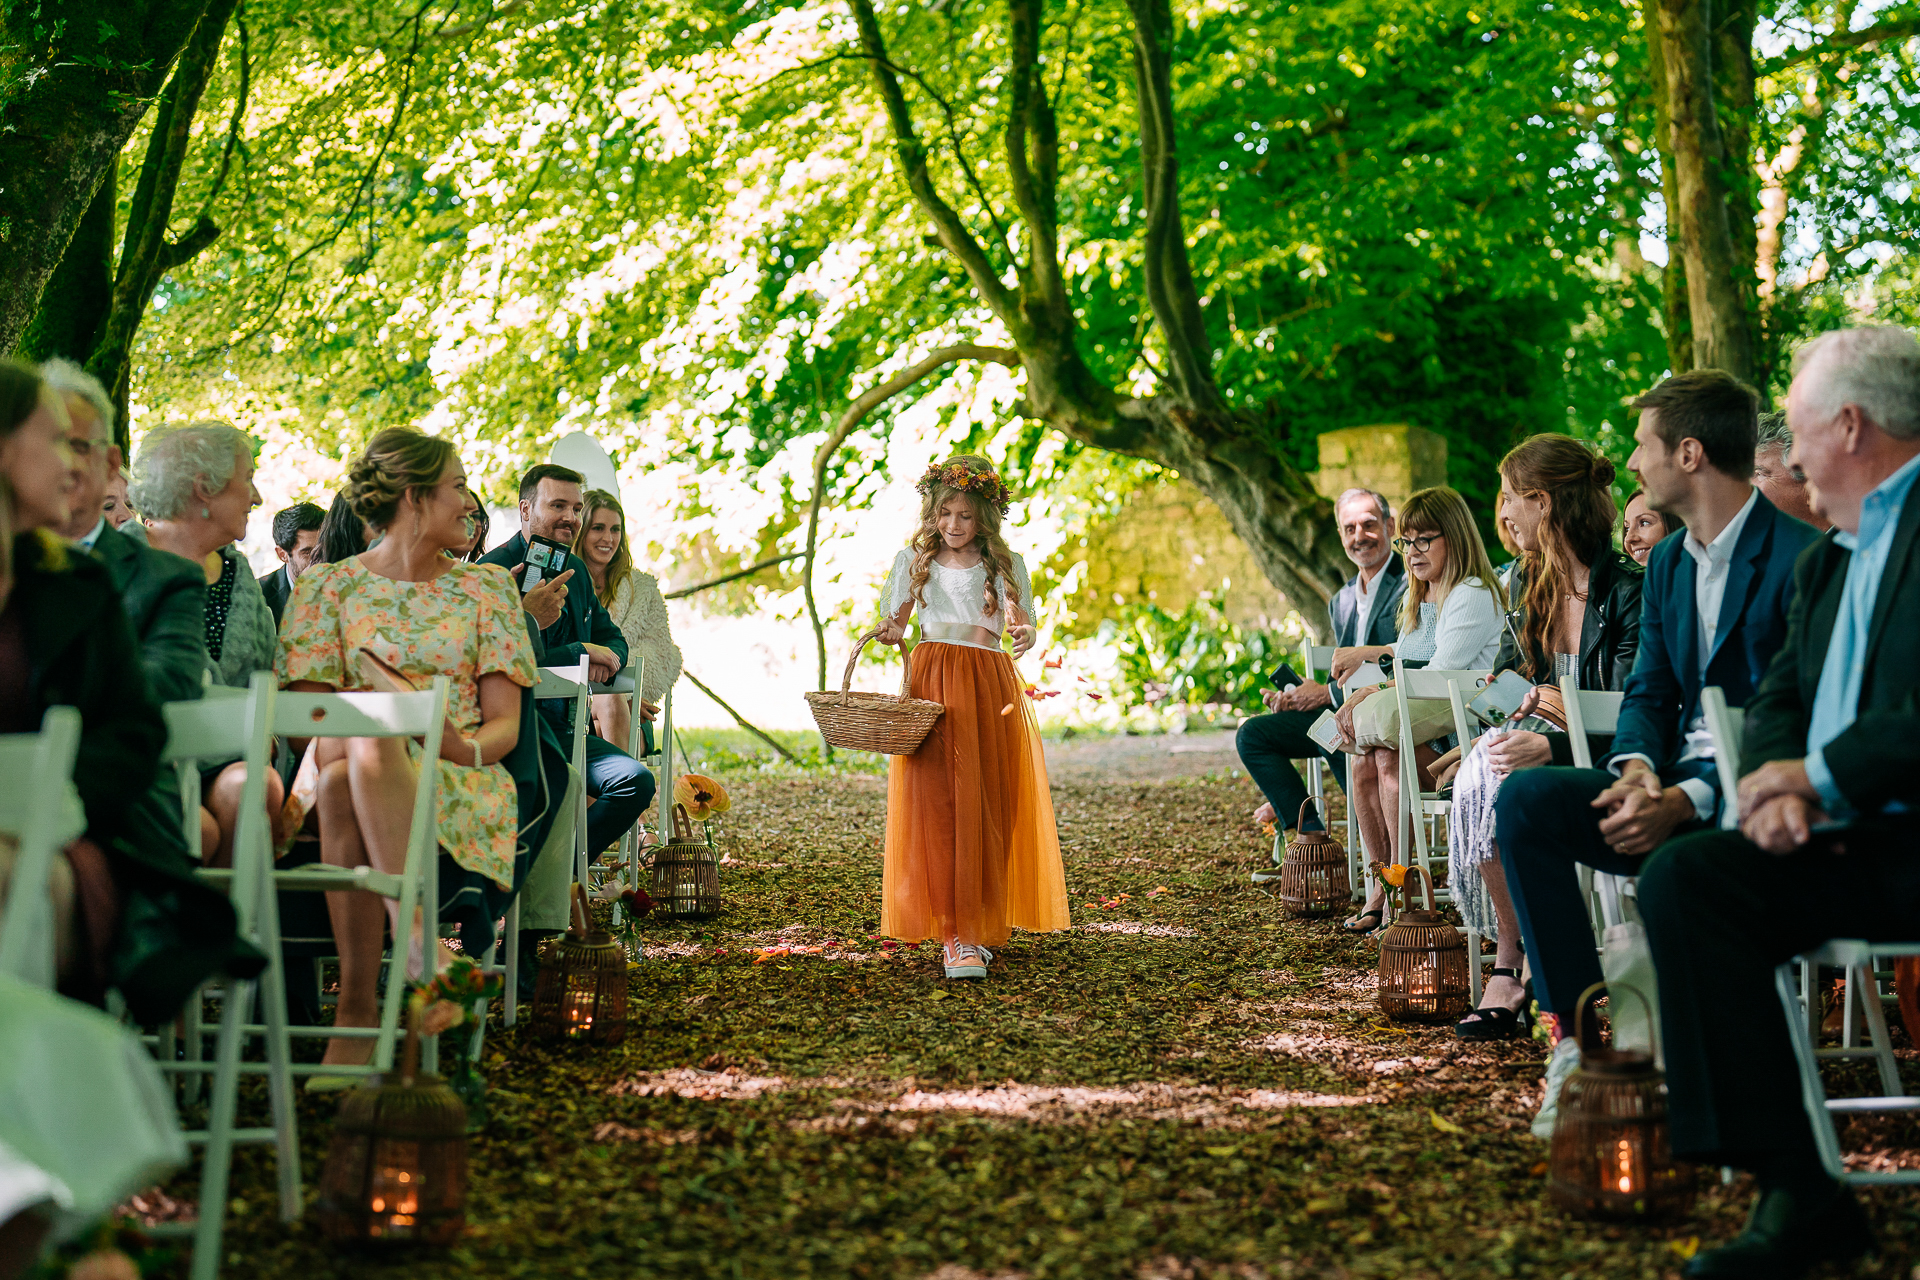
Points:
[[1269, 745], [621, 788], [1721, 914], [1545, 822]]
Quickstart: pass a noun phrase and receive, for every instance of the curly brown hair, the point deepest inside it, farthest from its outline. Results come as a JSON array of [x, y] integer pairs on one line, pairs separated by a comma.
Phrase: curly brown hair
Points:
[[395, 463], [994, 551]]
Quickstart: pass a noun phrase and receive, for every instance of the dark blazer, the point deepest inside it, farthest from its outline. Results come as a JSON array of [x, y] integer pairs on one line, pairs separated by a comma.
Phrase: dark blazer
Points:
[[1383, 627], [165, 599], [1876, 759], [277, 588], [583, 619], [1663, 693], [1609, 637], [174, 932]]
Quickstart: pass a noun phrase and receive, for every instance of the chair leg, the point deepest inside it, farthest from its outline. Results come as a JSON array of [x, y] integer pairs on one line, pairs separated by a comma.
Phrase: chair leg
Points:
[[218, 1156], [286, 1129], [1473, 969], [1813, 1093], [510, 1011], [1876, 1016]]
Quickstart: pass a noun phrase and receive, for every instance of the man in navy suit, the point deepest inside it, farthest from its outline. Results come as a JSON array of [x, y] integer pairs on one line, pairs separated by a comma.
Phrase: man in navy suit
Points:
[[1364, 611], [1713, 612]]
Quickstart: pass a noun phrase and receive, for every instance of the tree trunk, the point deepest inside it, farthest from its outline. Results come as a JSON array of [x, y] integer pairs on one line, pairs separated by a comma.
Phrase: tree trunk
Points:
[[73, 308], [1675, 323], [71, 93], [1719, 278]]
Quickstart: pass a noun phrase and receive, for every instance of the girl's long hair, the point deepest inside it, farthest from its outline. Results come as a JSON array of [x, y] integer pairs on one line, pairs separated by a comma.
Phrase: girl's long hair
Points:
[[993, 548], [21, 394], [1576, 530], [343, 534], [1443, 511], [621, 565]]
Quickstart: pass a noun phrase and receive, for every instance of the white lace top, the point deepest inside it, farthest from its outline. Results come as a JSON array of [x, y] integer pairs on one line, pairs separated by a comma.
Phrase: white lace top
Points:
[[957, 597]]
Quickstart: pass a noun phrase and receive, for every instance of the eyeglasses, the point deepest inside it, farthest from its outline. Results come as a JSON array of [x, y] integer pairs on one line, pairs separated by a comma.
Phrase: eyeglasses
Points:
[[1418, 543]]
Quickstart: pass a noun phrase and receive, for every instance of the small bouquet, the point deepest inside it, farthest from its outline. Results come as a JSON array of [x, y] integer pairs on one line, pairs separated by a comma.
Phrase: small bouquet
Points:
[[702, 798], [442, 1004], [1391, 876]]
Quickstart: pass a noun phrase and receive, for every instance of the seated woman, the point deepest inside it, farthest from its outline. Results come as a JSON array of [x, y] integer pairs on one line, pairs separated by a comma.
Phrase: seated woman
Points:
[[633, 600], [1642, 528], [1450, 619], [64, 639], [195, 486], [342, 532], [482, 523], [409, 603], [1576, 612]]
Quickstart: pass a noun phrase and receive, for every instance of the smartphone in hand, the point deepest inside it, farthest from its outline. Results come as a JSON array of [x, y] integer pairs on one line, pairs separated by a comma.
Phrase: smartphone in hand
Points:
[[1284, 679], [545, 559], [1501, 698]]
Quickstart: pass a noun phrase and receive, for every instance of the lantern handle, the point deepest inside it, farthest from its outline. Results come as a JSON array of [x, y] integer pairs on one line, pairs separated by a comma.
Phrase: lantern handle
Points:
[[1580, 1012], [410, 1053], [581, 917], [1432, 904], [1303, 814]]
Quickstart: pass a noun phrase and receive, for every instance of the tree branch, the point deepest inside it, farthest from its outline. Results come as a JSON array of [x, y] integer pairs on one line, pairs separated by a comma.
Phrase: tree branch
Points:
[[1169, 274], [1879, 33], [953, 233], [1030, 116], [721, 581], [738, 718]]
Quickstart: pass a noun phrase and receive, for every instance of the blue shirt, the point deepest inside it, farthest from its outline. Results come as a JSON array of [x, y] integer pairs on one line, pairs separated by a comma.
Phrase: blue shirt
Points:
[[1837, 701]]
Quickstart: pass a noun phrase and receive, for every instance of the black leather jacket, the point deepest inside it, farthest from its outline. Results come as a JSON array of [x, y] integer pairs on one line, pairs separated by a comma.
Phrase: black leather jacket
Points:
[[1609, 635]]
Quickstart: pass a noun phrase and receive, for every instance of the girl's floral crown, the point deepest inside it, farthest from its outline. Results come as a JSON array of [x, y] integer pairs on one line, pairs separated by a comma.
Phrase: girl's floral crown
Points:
[[954, 475]]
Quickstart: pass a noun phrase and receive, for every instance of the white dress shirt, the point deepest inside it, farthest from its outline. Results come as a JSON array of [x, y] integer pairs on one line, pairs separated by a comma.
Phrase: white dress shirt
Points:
[[1366, 594], [93, 535], [1712, 566]]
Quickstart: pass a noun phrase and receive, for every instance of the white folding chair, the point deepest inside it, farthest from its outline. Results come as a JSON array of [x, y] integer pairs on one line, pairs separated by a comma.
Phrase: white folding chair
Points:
[[1856, 957], [1316, 660], [1591, 711], [1418, 807], [1458, 694], [219, 728], [420, 715], [554, 682], [42, 814]]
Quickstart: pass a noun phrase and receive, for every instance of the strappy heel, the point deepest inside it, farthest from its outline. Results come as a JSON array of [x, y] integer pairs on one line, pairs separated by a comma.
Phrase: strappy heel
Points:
[[1497, 1022]]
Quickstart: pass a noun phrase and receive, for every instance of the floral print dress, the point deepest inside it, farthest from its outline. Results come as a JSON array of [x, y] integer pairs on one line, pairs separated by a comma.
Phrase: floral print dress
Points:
[[464, 624]]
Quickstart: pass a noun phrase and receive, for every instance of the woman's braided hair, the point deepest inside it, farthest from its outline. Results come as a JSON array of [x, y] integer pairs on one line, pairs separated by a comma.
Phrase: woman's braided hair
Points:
[[395, 463]]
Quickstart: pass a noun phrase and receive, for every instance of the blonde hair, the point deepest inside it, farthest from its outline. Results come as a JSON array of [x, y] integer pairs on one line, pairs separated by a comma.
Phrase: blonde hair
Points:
[[395, 463], [1443, 511], [621, 565], [994, 552]]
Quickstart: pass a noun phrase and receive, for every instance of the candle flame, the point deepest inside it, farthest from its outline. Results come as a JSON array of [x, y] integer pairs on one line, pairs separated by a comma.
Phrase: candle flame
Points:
[[1623, 1160]]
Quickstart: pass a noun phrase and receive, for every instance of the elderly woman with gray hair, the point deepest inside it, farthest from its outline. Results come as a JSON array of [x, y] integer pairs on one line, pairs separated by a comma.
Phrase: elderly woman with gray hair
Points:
[[194, 487]]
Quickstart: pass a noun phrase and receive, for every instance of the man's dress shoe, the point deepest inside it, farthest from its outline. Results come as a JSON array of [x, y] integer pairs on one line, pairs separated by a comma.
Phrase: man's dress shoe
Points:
[[1787, 1235]]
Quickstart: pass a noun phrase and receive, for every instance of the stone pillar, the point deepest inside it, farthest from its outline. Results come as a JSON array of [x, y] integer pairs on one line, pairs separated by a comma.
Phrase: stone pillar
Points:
[[1394, 459]]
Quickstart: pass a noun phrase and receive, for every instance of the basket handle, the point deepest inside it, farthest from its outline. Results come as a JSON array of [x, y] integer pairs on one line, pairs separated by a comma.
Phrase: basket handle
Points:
[[1432, 904], [1299, 825], [682, 825], [853, 659], [580, 916], [1580, 1012]]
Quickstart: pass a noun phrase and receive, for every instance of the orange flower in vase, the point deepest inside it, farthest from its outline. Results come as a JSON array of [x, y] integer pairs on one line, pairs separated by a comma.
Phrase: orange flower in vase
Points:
[[702, 797]]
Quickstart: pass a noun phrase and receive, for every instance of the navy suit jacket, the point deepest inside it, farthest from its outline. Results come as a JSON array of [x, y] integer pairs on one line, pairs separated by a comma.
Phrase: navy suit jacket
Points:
[[1663, 693]]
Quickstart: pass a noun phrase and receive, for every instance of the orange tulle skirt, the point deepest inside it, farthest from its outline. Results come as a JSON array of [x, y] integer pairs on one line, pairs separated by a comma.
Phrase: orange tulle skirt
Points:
[[971, 848]]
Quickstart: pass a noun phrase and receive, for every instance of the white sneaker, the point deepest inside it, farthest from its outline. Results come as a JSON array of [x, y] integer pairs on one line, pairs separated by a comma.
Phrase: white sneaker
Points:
[[1566, 1057]]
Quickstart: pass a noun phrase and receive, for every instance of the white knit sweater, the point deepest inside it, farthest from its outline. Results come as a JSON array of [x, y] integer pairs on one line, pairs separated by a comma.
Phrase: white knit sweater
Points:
[[1463, 634], [641, 614]]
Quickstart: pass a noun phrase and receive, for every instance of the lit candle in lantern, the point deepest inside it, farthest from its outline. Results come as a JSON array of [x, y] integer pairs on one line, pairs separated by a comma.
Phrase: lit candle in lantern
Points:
[[1623, 1162]]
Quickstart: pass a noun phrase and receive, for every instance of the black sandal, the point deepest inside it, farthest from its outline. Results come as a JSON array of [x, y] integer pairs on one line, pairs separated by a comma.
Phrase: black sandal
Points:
[[1352, 925], [1497, 1022]]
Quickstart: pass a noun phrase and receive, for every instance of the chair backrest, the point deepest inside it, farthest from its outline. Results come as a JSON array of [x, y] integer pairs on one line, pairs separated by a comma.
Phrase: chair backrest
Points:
[[361, 715], [1316, 659], [564, 682], [42, 814], [1429, 682], [222, 725], [1588, 711], [1725, 724]]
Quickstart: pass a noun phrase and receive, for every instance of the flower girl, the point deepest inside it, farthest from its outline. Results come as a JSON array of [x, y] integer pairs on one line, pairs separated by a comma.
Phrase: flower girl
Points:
[[971, 846]]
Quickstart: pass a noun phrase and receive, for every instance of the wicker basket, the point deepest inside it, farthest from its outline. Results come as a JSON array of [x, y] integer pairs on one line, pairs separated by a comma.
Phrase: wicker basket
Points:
[[581, 989], [892, 725], [1313, 878], [686, 873], [1423, 964]]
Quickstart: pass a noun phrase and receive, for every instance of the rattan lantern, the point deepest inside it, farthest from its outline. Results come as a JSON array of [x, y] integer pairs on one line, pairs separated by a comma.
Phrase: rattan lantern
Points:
[[686, 873], [1423, 964], [1313, 877], [581, 990], [396, 1170], [1612, 1154]]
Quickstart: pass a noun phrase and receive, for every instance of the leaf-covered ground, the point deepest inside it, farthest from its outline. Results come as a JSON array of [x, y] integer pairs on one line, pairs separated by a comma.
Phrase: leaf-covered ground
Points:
[[1187, 1084]]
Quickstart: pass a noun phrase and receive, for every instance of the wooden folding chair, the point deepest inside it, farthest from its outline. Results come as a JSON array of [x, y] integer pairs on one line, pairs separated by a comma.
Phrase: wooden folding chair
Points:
[[219, 728], [42, 813]]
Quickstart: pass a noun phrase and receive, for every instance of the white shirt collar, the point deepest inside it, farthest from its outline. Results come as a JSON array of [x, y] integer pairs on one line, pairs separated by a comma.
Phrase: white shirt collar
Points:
[[93, 535], [1720, 550]]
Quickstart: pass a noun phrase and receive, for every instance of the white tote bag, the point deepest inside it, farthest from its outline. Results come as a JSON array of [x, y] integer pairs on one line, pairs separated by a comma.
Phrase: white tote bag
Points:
[[1627, 960]]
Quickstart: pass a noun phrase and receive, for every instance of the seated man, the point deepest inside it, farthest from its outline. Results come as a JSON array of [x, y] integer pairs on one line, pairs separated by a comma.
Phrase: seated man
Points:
[[296, 540], [552, 499], [1774, 478], [1364, 613], [1713, 611], [1832, 735]]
